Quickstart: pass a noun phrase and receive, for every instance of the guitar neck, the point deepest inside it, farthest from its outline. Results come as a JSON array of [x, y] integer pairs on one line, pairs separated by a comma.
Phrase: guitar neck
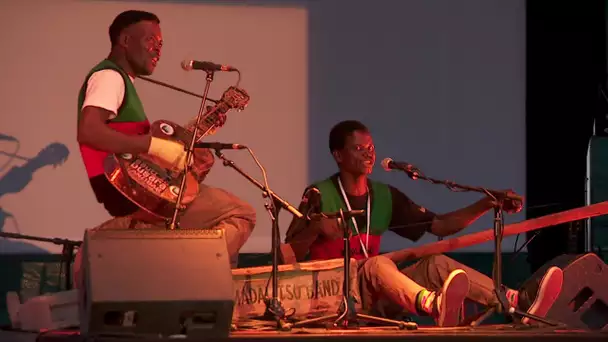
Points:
[[208, 121]]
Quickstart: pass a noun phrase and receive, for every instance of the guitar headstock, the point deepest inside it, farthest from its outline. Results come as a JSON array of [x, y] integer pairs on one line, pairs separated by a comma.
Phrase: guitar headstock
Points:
[[235, 98]]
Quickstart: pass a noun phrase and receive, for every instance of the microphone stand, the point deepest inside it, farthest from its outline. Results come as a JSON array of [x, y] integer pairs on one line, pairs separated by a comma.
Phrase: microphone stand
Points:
[[274, 308], [67, 252], [173, 224], [503, 305]]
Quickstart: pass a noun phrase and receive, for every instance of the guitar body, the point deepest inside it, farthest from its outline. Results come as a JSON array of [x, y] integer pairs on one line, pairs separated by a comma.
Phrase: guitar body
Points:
[[150, 182]]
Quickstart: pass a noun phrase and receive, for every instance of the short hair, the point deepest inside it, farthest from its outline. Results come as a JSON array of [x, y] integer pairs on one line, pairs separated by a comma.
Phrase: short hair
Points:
[[341, 131], [126, 19]]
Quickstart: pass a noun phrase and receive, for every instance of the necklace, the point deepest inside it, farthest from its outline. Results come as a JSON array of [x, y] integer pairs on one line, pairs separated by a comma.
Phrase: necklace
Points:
[[368, 216]]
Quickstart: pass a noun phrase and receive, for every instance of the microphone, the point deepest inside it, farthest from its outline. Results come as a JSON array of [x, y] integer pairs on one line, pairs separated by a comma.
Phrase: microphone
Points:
[[220, 146], [7, 137], [335, 215], [388, 164], [205, 66]]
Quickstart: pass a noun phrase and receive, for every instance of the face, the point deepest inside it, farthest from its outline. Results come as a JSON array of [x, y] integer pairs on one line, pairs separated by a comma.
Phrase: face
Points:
[[358, 155], [143, 42]]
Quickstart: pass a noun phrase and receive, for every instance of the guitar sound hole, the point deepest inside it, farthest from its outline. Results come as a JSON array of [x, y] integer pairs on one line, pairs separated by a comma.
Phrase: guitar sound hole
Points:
[[167, 129]]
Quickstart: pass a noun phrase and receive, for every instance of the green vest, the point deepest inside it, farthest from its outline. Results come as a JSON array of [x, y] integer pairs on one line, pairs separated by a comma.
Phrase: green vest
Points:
[[381, 205], [131, 109]]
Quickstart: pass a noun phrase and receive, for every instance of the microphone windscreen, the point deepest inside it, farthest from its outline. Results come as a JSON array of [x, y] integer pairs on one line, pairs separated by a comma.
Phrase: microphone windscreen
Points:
[[385, 163], [187, 65]]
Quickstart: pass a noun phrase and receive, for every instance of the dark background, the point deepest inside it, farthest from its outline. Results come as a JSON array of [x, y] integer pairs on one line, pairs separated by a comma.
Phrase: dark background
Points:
[[566, 68]]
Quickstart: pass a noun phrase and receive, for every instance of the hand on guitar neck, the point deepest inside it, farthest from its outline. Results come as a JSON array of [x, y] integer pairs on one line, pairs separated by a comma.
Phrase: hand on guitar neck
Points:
[[219, 123]]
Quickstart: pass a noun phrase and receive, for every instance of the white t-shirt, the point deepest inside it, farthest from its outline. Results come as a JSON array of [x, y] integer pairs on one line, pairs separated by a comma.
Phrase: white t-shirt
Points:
[[105, 89]]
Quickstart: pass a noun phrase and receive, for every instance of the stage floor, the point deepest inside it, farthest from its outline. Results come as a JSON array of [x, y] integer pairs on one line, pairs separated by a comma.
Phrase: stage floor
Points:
[[481, 333]]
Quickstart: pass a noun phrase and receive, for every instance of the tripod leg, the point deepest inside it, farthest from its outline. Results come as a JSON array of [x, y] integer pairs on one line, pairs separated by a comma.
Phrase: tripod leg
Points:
[[289, 326], [379, 320], [352, 318], [480, 318]]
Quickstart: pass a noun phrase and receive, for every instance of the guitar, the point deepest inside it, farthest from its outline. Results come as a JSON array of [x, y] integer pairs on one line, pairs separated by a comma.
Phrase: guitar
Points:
[[152, 184]]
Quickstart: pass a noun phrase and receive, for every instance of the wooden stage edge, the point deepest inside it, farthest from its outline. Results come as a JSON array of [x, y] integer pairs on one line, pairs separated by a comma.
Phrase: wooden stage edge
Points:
[[481, 333]]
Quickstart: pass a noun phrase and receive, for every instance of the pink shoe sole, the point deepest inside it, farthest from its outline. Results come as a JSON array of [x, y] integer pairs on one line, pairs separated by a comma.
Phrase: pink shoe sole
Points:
[[548, 291], [453, 293]]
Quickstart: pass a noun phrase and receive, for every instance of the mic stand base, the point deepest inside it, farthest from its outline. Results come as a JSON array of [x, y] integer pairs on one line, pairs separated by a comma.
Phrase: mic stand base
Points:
[[347, 316], [274, 309], [510, 310], [503, 305]]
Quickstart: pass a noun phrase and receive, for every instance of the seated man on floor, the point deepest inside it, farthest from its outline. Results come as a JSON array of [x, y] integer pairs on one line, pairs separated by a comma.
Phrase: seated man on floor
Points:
[[435, 285]]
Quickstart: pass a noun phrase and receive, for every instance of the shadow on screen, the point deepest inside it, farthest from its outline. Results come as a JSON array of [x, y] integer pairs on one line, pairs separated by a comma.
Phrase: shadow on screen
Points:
[[16, 180]]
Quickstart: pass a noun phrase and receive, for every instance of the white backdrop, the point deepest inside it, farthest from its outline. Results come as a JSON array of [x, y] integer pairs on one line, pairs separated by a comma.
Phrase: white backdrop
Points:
[[51, 54], [441, 84]]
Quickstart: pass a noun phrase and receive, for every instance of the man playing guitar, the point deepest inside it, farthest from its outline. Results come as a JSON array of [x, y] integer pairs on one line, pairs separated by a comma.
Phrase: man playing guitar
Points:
[[112, 120]]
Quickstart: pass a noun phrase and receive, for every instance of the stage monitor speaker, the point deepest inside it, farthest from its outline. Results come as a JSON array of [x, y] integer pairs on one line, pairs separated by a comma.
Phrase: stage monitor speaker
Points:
[[583, 301], [156, 283]]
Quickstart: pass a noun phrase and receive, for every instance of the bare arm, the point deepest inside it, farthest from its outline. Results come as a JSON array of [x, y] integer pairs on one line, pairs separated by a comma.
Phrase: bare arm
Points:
[[455, 221], [104, 96], [94, 132], [411, 221]]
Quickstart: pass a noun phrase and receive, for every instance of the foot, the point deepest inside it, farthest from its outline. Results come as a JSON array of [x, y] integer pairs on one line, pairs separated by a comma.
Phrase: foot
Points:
[[549, 289], [450, 300]]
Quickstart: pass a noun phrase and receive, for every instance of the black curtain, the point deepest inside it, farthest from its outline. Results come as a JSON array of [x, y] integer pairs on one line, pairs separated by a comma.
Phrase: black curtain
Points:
[[566, 68]]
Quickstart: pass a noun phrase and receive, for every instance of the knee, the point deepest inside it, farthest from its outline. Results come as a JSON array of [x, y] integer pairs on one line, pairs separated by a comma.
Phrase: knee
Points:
[[437, 259], [439, 264], [223, 203], [248, 211], [374, 264], [247, 214], [243, 210]]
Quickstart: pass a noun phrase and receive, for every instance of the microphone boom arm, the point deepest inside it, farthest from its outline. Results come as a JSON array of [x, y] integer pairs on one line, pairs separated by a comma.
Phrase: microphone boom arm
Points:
[[503, 305], [284, 204], [416, 174]]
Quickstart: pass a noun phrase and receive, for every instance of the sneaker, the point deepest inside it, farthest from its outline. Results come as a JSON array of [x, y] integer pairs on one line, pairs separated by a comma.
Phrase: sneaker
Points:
[[450, 300], [549, 289]]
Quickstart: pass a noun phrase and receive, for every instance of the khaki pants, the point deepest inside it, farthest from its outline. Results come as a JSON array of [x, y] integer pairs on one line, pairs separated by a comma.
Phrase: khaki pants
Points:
[[389, 291], [213, 207]]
